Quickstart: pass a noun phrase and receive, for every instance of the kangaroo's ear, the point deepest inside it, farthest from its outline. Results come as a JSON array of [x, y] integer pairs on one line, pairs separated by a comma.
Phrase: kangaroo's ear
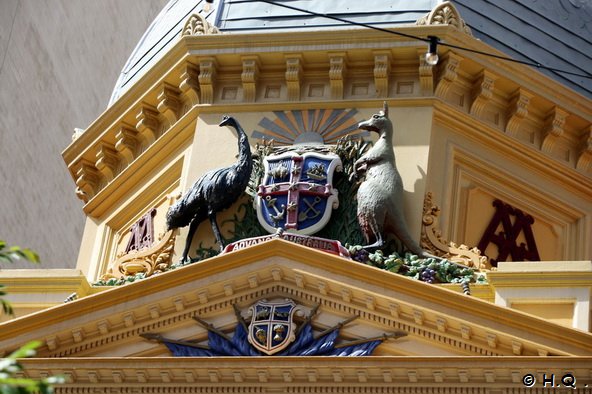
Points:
[[385, 109]]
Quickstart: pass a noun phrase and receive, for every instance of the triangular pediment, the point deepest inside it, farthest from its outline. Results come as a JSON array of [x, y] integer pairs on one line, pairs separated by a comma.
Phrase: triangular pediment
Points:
[[438, 321]]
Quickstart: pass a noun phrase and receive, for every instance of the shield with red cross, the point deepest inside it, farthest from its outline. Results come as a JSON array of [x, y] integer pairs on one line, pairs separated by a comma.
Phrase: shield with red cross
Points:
[[297, 192]]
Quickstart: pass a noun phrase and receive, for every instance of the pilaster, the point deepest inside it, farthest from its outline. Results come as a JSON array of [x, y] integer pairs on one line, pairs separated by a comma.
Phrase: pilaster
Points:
[[189, 85], [482, 92], [128, 142], [107, 161], [426, 75], [249, 77], [382, 69], [554, 129], [337, 71], [518, 110], [207, 77], [294, 73], [584, 162], [87, 180], [169, 103], [448, 74], [148, 124]]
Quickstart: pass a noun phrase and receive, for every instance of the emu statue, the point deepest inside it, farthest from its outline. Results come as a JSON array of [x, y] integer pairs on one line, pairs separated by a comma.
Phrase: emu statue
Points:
[[213, 192], [380, 195]]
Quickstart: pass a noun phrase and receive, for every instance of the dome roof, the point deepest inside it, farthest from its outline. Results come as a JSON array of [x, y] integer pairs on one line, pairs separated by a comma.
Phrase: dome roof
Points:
[[556, 35]]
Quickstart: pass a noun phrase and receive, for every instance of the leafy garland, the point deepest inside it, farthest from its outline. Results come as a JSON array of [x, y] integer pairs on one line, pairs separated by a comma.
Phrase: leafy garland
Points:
[[428, 270]]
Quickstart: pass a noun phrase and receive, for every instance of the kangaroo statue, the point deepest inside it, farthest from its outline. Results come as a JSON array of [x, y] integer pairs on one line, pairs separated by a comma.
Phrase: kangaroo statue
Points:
[[380, 195]]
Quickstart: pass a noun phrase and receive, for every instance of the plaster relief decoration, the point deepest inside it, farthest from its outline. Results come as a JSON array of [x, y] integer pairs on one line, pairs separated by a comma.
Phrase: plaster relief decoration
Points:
[[290, 192], [504, 229], [271, 330], [213, 192], [197, 25], [297, 192], [143, 254], [445, 13], [320, 126], [431, 239]]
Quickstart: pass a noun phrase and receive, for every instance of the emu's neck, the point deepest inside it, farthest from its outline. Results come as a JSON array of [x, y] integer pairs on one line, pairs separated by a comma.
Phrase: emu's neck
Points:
[[244, 150]]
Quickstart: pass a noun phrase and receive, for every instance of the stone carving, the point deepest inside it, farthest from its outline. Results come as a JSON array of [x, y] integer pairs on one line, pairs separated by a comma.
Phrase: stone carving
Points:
[[197, 25], [555, 129], [297, 191], [482, 92], [294, 73], [142, 233], [249, 77], [148, 261], [337, 71], [87, 180], [584, 162], [426, 74], [518, 111], [213, 192], [327, 126], [445, 14], [431, 239], [382, 69], [380, 196], [206, 78], [272, 331]]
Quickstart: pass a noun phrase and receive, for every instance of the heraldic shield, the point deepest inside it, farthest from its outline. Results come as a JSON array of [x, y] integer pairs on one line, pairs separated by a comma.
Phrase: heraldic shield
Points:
[[272, 329], [297, 192]]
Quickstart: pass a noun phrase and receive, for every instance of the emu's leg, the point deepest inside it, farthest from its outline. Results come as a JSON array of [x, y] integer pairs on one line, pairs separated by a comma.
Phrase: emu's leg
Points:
[[212, 216], [192, 228]]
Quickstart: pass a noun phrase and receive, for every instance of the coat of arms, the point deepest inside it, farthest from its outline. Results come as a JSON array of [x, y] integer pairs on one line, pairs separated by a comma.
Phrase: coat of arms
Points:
[[296, 193], [272, 329]]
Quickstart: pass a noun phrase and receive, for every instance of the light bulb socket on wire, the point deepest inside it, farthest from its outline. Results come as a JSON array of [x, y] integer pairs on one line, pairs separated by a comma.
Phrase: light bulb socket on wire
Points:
[[208, 5], [431, 57]]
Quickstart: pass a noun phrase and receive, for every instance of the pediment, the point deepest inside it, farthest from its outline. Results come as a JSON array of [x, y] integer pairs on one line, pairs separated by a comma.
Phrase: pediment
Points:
[[438, 321]]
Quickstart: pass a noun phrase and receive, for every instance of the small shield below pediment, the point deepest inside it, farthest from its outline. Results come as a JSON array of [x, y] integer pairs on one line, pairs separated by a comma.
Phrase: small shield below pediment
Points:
[[272, 329]]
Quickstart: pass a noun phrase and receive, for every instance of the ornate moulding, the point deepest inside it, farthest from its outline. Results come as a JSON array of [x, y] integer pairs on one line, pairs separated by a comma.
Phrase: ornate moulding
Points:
[[149, 261], [431, 239], [445, 14], [390, 375], [144, 254], [132, 310], [187, 82], [197, 25]]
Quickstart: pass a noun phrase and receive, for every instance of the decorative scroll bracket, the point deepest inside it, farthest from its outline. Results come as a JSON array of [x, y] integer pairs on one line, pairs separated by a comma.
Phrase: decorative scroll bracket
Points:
[[431, 239]]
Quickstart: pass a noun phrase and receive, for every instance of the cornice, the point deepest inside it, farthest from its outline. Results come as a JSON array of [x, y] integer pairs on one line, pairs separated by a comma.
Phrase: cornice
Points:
[[463, 123], [540, 279], [306, 374], [43, 281], [471, 325], [193, 71], [524, 76]]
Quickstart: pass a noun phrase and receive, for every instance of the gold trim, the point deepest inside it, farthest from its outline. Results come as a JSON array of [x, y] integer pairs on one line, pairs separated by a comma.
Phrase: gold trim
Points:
[[150, 261], [431, 239]]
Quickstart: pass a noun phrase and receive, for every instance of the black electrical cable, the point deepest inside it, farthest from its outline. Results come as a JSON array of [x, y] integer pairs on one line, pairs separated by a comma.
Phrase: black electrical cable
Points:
[[349, 22]]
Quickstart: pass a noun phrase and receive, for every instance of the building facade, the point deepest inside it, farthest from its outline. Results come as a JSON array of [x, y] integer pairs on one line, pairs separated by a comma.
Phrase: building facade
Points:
[[495, 162]]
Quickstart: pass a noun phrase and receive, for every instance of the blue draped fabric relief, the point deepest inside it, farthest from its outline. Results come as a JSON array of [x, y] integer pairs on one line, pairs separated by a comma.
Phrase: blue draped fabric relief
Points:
[[304, 345], [187, 351]]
